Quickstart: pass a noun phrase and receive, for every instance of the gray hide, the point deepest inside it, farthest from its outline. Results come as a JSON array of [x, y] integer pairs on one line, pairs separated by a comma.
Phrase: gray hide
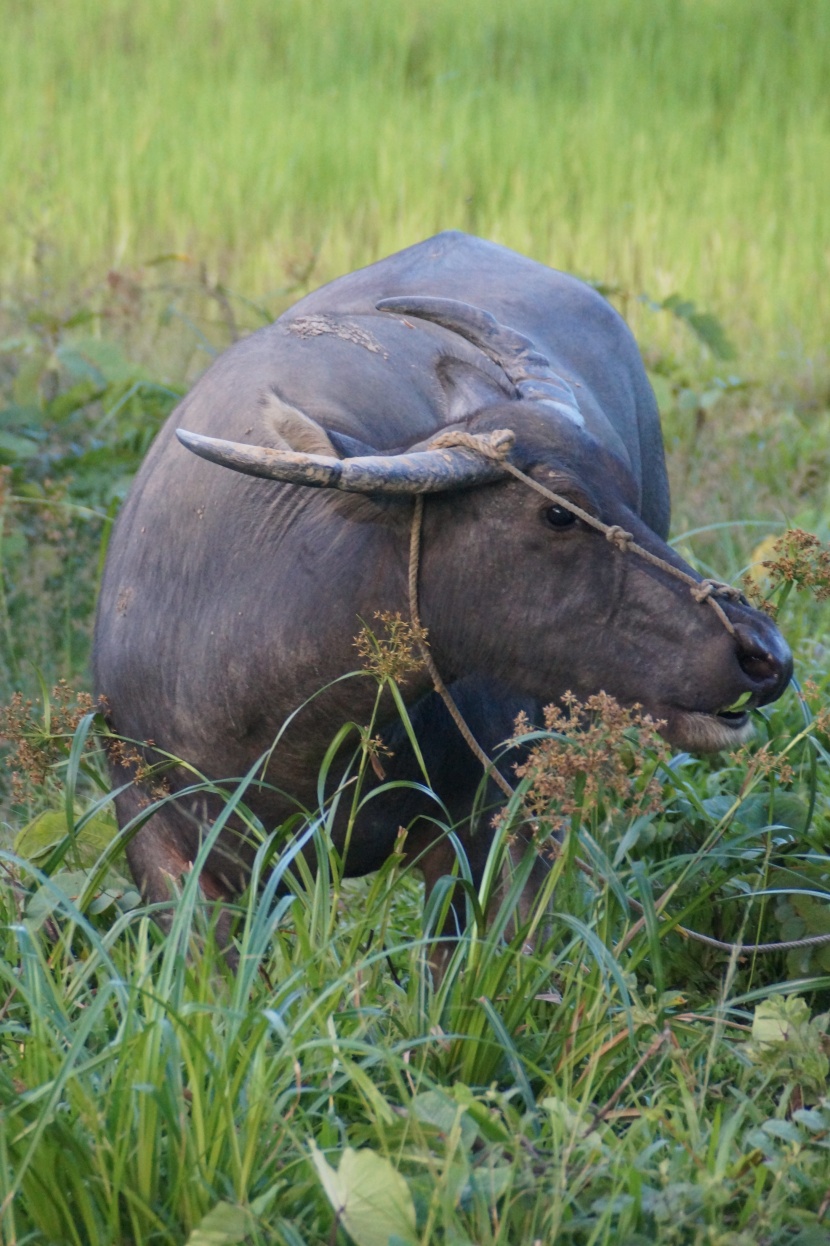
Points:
[[228, 600]]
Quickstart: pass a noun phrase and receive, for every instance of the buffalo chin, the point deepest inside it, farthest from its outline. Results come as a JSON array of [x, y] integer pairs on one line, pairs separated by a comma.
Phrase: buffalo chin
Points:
[[706, 733]]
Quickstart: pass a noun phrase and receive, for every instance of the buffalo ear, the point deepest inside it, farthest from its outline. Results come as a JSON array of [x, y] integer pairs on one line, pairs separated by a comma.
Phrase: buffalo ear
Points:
[[468, 388], [349, 447], [288, 428]]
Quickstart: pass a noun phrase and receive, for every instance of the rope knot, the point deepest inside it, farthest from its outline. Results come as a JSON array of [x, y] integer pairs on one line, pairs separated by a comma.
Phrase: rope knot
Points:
[[619, 537], [495, 446], [707, 589]]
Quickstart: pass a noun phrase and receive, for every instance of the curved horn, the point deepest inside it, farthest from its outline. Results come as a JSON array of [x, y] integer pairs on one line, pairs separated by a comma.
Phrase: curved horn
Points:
[[420, 471], [506, 347], [515, 354]]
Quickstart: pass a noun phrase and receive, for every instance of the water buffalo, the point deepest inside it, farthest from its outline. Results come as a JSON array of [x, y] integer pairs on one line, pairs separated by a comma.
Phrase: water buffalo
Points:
[[231, 596]]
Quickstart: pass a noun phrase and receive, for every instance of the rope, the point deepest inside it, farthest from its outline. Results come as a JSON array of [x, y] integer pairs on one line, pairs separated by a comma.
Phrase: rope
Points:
[[496, 446], [423, 649]]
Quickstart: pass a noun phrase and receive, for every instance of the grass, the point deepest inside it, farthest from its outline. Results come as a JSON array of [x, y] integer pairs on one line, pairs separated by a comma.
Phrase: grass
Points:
[[174, 175], [660, 147], [580, 1093], [619, 1083]]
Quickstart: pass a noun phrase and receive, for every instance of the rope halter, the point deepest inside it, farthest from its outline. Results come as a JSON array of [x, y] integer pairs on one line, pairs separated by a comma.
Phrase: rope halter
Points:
[[496, 446]]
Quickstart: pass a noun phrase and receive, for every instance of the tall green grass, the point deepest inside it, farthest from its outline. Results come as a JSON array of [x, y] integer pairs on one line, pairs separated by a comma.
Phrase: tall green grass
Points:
[[661, 145], [606, 1087]]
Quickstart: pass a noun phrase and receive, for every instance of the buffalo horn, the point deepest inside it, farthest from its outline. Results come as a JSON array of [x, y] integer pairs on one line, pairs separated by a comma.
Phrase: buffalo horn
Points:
[[515, 354], [419, 471]]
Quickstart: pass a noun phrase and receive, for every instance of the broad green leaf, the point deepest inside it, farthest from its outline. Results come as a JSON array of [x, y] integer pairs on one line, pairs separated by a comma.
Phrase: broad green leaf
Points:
[[817, 1120], [711, 333], [74, 399], [787, 1131], [224, 1225], [763, 810], [779, 1020], [13, 447], [262, 1204], [67, 884], [48, 829], [706, 327], [434, 1107], [790, 1044], [20, 413], [495, 1181], [739, 704], [70, 885], [487, 1119], [369, 1196]]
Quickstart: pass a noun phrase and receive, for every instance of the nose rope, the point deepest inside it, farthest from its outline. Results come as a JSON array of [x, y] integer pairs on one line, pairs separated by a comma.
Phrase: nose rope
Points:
[[497, 446]]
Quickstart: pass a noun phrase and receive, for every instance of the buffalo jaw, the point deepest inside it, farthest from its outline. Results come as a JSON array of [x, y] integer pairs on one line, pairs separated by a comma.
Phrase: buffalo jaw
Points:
[[698, 732]]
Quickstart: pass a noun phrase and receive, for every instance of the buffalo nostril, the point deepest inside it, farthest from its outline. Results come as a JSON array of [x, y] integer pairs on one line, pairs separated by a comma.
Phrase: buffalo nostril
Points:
[[767, 665], [760, 667]]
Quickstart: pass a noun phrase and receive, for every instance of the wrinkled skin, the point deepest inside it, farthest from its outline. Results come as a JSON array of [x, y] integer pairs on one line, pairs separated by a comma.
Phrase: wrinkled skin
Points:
[[228, 601]]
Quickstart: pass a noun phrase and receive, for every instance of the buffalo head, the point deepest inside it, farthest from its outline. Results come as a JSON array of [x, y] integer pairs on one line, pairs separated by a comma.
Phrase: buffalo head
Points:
[[523, 591]]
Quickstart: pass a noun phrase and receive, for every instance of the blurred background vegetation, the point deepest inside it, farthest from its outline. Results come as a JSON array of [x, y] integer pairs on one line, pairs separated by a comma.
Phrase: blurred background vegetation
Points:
[[659, 145]]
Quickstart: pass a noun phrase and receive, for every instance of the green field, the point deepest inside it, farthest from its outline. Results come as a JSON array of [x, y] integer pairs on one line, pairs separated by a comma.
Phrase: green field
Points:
[[662, 145], [176, 174]]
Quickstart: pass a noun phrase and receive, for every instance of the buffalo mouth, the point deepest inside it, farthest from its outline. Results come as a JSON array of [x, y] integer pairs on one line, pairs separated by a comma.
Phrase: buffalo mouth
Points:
[[699, 732]]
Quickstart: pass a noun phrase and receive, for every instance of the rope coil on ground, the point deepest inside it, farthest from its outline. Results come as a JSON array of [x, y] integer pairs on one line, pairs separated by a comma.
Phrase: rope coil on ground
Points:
[[496, 446]]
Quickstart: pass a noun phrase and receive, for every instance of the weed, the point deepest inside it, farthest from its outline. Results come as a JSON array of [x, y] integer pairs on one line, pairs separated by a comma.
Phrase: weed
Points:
[[798, 561], [593, 753], [394, 653], [39, 744]]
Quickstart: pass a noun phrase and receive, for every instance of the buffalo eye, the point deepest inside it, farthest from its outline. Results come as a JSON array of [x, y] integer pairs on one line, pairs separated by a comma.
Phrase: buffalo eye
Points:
[[558, 517]]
